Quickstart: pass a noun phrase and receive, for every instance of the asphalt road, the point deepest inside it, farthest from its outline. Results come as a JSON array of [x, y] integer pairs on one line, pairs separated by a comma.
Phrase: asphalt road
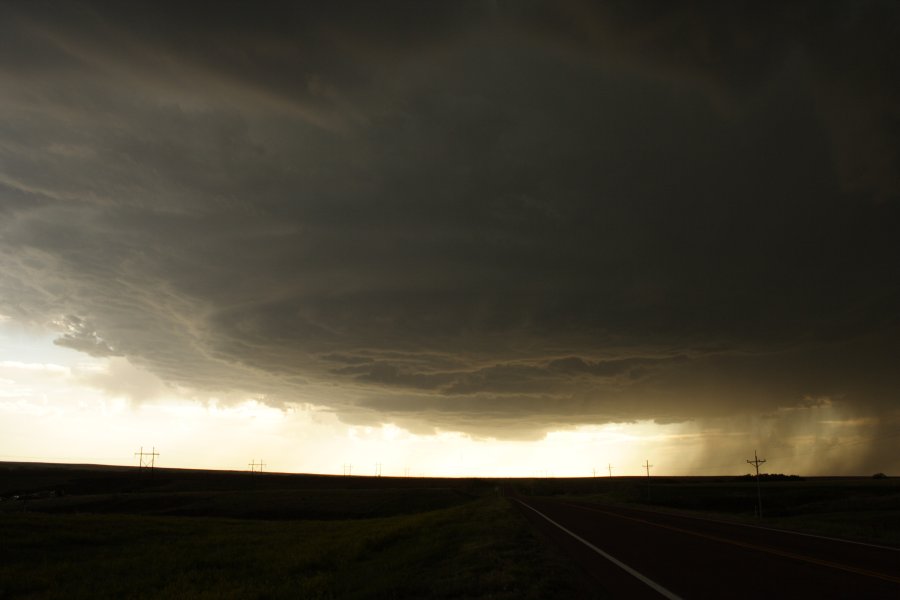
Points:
[[633, 553]]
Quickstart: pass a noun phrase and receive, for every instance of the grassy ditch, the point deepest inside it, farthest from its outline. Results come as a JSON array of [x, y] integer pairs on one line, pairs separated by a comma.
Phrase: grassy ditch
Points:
[[481, 549]]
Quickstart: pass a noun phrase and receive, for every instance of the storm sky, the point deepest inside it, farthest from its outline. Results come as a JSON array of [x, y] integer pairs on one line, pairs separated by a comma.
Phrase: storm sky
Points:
[[497, 219]]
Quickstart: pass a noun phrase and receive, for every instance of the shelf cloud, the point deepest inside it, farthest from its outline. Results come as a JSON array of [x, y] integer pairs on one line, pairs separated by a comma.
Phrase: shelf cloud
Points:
[[495, 218]]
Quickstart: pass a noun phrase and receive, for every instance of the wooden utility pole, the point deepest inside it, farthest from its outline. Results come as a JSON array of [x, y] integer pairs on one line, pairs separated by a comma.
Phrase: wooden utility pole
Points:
[[756, 462], [348, 470], [254, 465], [610, 470]]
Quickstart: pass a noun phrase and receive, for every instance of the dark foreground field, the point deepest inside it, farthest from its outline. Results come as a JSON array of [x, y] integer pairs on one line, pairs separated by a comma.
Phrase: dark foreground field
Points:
[[68, 531], [93, 532]]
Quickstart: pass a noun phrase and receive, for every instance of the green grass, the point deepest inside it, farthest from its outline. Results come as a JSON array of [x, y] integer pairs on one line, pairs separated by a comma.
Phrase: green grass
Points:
[[482, 549]]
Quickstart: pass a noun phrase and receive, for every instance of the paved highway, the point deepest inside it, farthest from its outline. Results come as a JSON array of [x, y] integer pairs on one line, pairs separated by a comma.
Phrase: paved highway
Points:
[[634, 553]]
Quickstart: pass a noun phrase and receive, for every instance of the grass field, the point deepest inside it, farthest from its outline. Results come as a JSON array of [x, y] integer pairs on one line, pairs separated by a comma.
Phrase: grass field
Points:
[[478, 550], [454, 542], [94, 532], [259, 504]]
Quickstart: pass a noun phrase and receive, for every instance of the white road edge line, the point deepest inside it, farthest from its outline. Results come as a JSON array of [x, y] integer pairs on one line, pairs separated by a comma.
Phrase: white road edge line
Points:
[[608, 557]]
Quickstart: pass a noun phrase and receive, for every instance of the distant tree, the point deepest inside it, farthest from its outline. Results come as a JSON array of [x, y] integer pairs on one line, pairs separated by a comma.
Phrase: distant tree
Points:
[[879, 476]]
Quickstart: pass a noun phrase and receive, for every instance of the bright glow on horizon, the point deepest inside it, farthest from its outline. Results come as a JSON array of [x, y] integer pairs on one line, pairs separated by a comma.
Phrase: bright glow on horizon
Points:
[[58, 405]]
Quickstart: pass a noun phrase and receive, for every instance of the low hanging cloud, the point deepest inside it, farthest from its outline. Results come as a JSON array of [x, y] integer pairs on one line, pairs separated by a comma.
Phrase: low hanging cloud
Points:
[[119, 378], [493, 219]]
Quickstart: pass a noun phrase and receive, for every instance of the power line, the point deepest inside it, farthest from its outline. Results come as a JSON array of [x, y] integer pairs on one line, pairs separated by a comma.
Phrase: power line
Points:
[[256, 465]]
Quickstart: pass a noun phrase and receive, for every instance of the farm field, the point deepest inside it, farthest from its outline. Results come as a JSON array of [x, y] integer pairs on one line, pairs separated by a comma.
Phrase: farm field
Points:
[[94, 532], [88, 531]]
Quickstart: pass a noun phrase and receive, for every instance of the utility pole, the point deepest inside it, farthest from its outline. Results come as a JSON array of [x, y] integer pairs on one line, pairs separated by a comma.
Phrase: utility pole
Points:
[[147, 459], [377, 469], [610, 470], [647, 466], [253, 465], [348, 470], [756, 462]]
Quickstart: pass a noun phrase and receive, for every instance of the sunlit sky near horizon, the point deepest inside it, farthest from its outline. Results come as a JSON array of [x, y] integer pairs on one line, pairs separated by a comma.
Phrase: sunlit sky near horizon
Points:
[[59, 405], [453, 239]]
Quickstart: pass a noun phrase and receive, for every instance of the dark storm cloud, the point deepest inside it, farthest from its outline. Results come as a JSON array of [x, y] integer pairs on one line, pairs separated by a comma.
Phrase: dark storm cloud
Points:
[[497, 218]]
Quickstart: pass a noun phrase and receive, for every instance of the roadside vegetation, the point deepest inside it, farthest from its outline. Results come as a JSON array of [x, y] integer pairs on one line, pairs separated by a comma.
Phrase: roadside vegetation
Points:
[[435, 543]]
